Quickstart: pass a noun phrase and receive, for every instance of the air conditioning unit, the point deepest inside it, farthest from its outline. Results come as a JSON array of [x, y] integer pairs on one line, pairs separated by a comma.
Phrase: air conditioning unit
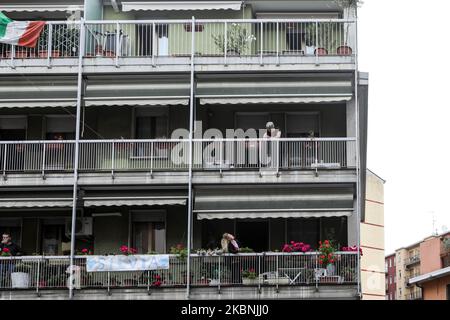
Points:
[[83, 227]]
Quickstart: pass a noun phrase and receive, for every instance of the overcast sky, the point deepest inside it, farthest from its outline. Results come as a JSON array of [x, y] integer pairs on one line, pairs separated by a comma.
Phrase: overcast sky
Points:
[[405, 47]]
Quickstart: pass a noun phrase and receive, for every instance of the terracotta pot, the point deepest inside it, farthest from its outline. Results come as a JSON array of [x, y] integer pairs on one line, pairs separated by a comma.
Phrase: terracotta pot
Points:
[[109, 53], [44, 53], [21, 54], [98, 50], [321, 51], [344, 51]]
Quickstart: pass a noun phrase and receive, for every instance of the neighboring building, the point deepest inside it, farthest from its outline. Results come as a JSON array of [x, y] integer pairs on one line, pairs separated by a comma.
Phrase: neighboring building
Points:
[[372, 239], [434, 277], [148, 69], [391, 277], [408, 266]]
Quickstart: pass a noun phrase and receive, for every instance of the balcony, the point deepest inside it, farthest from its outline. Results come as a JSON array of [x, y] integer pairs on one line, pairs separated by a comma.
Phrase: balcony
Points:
[[213, 156], [412, 261], [415, 295], [277, 275], [170, 44]]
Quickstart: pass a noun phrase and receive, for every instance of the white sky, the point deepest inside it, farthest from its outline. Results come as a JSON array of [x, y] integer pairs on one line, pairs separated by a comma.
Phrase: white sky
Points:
[[405, 47]]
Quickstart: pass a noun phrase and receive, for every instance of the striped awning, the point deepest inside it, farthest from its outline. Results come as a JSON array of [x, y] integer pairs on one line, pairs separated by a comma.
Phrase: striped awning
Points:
[[35, 202], [133, 201], [270, 91], [274, 202], [40, 7], [180, 5]]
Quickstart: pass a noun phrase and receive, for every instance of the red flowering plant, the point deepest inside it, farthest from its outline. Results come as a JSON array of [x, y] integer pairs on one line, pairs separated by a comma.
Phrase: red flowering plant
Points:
[[296, 247], [85, 252], [249, 273], [352, 249], [5, 252], [326, 253], [157, 280], [127, 250]]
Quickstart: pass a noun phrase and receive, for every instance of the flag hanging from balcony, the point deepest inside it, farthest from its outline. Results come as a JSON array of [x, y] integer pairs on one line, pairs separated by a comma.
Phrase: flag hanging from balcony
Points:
[[20, 33]]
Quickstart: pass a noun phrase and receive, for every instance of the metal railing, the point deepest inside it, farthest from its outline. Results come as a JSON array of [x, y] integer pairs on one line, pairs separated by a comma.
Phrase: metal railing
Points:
[[412, 260], [415, 295], [268, 269], [167, 155], [57, 40], [233, 41]]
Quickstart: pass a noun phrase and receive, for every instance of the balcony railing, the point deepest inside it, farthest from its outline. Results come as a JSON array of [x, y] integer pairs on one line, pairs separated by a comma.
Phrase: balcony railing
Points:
[[271, 269], [412, 260], [169, 155], [215, 41], [415, 295]]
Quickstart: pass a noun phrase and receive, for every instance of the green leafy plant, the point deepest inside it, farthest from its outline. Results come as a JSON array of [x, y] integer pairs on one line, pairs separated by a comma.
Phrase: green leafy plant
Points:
[[237, 41], [179, 250], [349, 274], [249, 273], [246, 250], [20, 267]]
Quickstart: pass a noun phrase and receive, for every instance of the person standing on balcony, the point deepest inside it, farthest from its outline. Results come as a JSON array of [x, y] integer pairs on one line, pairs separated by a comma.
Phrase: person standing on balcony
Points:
[[12, 248], [230, 245], [271, 154]]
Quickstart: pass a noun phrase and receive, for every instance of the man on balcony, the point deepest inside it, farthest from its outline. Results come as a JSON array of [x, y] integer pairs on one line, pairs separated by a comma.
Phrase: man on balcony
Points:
[[11, 248]]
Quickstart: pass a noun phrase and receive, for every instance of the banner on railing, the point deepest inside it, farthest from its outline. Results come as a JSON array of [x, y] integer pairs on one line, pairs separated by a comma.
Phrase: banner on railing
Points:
[[127, 263]]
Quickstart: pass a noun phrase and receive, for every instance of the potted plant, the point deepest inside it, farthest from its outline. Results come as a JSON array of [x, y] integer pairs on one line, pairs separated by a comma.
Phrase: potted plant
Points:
[[249, 276], [20, 277], [43, 45], [238, 40], [349, 7], [327, 257]]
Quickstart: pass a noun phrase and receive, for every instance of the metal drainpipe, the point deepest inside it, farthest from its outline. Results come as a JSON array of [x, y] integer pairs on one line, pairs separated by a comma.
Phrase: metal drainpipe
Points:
[[75, 166], [191, 129], [358, 160]]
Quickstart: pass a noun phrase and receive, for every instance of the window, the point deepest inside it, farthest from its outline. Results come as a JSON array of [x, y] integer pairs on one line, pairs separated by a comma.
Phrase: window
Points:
[[60, 127], [12, 226], [150, 124], [254, 120], [300, 125], [335, 228], [13, 128], [305, 230], [53, 239], [149, 231], [390, 263], [448, 292], [390, 279]]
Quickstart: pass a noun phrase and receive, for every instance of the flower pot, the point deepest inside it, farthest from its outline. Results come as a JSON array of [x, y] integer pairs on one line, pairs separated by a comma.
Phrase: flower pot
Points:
[[44, 53], [310, 50], [321, 51], [231, 52], [344, 51], [331, 269], [21, 54], [20, 280], [99, 50], [249, 282], [109, 53]]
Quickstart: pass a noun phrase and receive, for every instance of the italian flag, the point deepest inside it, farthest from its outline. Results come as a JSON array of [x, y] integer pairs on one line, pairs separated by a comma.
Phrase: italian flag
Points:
[[20, 33]]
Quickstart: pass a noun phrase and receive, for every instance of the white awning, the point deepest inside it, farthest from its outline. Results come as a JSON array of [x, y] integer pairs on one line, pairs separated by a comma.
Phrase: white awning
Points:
[[430, 276], [40, 7], [17, 103], [180, 5], [135, 102], [133, 201], [274, 214], [270, 100], [35, 202]]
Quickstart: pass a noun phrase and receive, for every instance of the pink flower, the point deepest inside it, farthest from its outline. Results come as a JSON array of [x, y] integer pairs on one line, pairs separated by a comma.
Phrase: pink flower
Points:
[[5, 250], [84, 250]]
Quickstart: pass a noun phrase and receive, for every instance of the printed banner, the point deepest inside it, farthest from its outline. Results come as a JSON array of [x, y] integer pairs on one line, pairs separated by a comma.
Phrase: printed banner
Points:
[[127, 263]]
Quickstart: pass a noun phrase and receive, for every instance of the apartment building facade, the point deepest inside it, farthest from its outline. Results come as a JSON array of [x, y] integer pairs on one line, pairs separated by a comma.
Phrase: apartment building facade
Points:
[[372, 240], [128, 106], [391, 277], [434, 277]]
